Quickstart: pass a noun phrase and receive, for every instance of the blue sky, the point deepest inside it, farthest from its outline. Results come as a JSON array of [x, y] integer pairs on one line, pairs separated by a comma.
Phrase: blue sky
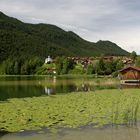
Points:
[[93, 20]]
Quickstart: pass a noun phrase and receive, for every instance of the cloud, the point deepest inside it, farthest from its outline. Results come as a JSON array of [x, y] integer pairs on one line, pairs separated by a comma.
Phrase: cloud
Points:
[[115, 20]]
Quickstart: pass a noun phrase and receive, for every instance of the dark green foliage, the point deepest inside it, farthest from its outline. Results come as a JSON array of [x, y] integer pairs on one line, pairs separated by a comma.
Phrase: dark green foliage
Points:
[[21, 66], [108, 68], [59, 64], [90, 69], [115, 74], [100, 67], [16, 68], [44, 69], [18, 39], [64, 65], [133, 55], [103, 67], [119, 65], [109, 48], [138, 62], [78, 69]]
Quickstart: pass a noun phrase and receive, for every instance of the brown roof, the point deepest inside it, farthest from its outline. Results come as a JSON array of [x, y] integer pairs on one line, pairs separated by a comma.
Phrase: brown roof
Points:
[[131, 67]]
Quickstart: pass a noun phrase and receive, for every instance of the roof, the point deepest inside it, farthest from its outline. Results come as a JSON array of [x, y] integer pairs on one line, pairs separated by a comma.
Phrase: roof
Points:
[[130, 67]]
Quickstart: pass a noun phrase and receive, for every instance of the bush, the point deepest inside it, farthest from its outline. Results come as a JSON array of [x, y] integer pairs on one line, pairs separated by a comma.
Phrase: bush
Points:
[[78, 69], [43, 70], [115, 74], [138, 62], [90, 69]]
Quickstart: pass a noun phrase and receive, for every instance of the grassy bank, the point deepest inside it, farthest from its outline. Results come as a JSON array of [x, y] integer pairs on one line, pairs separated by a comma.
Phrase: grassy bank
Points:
[[71, 110]]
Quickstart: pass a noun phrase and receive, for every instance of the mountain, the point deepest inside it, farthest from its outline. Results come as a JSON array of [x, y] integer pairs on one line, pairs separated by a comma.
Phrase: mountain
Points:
[[18, 39]]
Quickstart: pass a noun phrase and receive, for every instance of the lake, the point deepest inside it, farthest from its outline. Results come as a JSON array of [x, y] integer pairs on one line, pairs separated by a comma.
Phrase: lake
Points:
[[35, 86], [30, 86], [87, 133]]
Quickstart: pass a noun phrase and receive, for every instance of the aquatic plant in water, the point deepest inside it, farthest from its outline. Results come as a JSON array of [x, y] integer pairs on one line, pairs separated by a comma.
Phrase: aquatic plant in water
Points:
[[72, 110]]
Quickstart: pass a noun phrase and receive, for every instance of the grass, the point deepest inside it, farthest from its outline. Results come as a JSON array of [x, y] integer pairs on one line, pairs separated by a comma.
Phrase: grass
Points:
[[72, 110]]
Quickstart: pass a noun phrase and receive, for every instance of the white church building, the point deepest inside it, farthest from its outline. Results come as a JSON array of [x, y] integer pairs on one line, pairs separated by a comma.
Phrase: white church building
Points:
[[48, 60]]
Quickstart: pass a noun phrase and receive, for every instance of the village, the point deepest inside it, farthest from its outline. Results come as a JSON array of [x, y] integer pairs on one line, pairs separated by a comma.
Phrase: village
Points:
[[84, 62]]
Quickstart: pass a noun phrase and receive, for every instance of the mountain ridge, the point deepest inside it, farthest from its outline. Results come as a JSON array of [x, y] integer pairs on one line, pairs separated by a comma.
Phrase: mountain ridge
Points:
[[19, 39]]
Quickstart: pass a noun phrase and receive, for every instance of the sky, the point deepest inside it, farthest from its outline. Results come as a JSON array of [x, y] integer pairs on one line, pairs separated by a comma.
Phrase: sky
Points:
[[93, 20]]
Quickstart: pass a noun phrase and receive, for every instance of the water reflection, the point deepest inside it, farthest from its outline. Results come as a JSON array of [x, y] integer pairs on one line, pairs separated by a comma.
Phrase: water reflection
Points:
[[84, 87], [126, 86], [67, 89], [2, 133], [30, 86], [49, 91]]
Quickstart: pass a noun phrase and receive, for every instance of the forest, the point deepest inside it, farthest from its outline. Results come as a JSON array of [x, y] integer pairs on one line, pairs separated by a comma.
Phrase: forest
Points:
[[18, 39]]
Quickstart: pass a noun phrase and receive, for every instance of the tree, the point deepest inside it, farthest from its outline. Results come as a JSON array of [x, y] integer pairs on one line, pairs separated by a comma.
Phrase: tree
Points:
[[119, 65], [25, 68], [100, 67], [33, 64], [138, 62], [65, 66], [16, 68], [9, 66], [59, 64], [108, 68], [133, 55], [90, 69]]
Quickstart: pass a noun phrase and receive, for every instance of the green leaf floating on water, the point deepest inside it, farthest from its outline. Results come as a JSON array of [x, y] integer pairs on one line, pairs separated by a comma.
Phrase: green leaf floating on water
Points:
[[72, 110]]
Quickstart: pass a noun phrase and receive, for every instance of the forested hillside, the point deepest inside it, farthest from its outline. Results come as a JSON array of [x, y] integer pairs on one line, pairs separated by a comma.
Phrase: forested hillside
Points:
[[18, 39]]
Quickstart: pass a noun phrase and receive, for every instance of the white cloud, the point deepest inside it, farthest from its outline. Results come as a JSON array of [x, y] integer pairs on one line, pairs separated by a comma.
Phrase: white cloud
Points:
[[115, 20]]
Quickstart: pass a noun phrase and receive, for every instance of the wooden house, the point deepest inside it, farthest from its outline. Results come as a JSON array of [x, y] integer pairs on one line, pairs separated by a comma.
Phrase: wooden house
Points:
[[129, 75]]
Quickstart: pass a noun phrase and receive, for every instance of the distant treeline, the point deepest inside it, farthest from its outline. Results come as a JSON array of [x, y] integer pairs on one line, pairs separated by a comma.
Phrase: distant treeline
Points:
[[61, 65], [20, 66], [66, 65], [99, 67]]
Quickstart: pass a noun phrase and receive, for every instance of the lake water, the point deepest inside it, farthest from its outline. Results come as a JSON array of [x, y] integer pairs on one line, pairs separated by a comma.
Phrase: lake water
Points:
[[87, 133], [29, 86]]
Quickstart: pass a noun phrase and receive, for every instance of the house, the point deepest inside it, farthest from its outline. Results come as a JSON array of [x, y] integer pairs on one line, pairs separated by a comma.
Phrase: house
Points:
[[51, 71], [48, 60], [108, 58], [84, 61], [129, 75], [128, 61]]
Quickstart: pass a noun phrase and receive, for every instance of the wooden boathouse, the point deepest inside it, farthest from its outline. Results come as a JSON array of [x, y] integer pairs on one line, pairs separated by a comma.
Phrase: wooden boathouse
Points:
[[130, 75]]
